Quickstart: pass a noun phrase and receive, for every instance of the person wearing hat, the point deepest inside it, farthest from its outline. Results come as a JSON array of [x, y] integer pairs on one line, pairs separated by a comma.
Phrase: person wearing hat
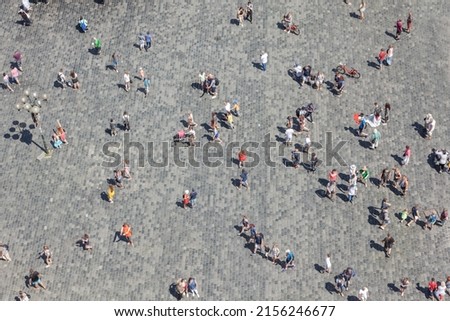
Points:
[[186, 199], [430, 125]]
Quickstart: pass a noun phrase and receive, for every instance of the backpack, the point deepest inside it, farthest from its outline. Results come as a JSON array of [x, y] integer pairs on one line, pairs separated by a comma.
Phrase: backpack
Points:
[[217, 81]]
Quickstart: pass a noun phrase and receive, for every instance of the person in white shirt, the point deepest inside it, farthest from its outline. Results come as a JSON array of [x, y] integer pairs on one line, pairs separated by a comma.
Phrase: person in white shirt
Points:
[[264, 58], [363, 294], [289, 134]]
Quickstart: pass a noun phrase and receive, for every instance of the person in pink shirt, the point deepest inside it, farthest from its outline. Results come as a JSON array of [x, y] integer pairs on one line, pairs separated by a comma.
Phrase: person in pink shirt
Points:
[[399, 27], [406, 156], [15, 75]]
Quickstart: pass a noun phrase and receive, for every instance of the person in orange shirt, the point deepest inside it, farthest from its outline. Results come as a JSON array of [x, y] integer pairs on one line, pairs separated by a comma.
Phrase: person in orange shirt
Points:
[[125, 233], [242, 157]]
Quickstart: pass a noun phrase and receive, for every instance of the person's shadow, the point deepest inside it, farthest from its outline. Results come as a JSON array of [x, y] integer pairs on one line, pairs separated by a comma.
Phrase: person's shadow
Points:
[[330, 288], [420, 129], [390, 34], [424, 290], [235, 182], [372, 64], [352, 130], [397, 158], [376, 246], [393, 287], [319, 268], [234, 22], [257, 65]]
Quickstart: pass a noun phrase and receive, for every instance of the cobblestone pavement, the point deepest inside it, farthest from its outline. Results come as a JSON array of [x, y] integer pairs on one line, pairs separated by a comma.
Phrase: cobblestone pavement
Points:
[[54, 201]]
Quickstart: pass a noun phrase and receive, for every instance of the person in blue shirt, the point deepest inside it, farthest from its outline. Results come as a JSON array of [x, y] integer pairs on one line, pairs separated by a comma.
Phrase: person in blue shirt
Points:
[[146, 86], [289, 261], [148, 41]]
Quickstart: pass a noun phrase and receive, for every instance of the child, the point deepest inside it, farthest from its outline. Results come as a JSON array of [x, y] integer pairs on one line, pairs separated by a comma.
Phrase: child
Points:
[[112, 127]]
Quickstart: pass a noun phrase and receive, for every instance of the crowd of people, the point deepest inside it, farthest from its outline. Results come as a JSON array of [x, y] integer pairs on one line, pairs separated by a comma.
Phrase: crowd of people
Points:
[[295, 126]]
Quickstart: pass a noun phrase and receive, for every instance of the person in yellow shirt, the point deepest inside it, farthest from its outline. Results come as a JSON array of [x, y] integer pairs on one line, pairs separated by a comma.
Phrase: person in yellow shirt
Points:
[[110, 193]]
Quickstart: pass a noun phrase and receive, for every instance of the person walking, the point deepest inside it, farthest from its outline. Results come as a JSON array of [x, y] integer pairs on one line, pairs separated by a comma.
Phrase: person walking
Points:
[[332, 182], [389, 55], [115, 61], [17, 55], [363, 176], [264, 58], [97, 44], [327, 264], [241, 15], [381, 58], [384, 177], [387, 111], [409, 22], [186, 199], [362, 9], [404, 283], [439, 293], [126, 233], [126, 121], [245, 225], [340, 284], [6, 82], [388, 242], [126, 172], [23, 296], [288, 261], [404, 185], [399, 29], [243, 180], [118, 178], [112, 127], [46, 255], [406, 156], [363, 294], [110, 193], [61, 78], [375, 139], [146, 86], [289, 132], [127, 80], [259, 243], [430, 126]]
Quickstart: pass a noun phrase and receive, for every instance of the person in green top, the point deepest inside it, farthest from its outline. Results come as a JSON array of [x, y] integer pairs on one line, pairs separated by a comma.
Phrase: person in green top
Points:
[[375, 138], [363, 176], [97, 45]]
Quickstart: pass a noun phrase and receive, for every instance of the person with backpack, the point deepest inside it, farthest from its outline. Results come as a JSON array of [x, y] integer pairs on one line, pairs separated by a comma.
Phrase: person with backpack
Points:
[[288, 261]]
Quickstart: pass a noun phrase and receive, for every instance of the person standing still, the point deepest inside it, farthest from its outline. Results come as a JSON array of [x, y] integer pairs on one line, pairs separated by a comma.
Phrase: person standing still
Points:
[[362, 9], [388, 243], [406, 156], [363, 294], [110, 193], [404, 283], [409, 23], [249, 12], [264, 59], [148, 41]]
